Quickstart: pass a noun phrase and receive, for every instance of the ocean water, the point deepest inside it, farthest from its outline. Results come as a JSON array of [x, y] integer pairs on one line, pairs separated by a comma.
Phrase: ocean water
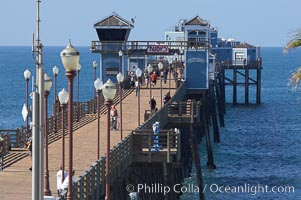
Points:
[[260, 145], [260, 151]]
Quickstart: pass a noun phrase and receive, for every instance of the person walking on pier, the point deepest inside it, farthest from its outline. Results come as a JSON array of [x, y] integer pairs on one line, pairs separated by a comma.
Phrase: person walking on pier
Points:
[[59, 180], [166, 98], [154, 79], [65, 184], [146, 79], [132, 78], [153, 104], [165, 73], [137, 87], [29, 147], [114, 115]]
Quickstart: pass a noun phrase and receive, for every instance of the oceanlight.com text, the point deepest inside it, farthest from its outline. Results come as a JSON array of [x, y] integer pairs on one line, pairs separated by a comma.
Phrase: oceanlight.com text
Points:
[[249, 189], [213, 188]]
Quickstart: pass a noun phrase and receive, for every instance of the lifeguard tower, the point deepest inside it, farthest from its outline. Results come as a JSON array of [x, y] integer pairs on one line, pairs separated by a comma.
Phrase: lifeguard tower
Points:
[[113, 32]]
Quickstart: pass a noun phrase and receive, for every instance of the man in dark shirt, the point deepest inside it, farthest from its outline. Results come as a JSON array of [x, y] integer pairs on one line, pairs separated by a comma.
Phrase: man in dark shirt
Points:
[[153, 104]]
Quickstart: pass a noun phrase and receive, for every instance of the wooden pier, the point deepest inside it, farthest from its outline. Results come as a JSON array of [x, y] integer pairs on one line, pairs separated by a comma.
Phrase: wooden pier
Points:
[[168, 165], [242, 69]]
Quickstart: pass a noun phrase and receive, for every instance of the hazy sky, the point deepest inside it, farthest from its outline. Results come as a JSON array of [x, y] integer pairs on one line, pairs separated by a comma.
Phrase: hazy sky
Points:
[[258, 22]]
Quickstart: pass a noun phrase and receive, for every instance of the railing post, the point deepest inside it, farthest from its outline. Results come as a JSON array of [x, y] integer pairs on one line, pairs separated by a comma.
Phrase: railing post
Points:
[[178, 142], [97, 179], [149, 137], [168, 147], [81, 185]]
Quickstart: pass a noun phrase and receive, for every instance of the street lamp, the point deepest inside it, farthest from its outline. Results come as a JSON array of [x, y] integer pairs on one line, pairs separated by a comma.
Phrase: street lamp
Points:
[[98, 86], [27, 75], [63, 98], [109, 91], [55, 71], [138, 74], [150, 70], [160, 66], [120, 79], [94, 67], [70, 59], [47, 87], [77, 104]]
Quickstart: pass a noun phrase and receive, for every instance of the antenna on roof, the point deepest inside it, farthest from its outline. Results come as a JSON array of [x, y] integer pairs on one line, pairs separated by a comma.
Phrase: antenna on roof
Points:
[[32, 47], [133, 20]]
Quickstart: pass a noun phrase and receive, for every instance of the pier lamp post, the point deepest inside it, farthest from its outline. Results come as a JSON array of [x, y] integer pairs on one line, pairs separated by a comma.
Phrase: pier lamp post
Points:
[[55, 71], [47, 87], [120, 79], [138, 74], [150, 70], [77, 103], [27, 75], [95, 67], [160, 66], [98, 86], [70, 59], [109, 91], [63, 98]]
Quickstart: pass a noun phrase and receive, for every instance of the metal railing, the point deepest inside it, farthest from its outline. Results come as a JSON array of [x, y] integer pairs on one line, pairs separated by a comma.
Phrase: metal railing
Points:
[[16, 138], [161, 47], [250, 63]]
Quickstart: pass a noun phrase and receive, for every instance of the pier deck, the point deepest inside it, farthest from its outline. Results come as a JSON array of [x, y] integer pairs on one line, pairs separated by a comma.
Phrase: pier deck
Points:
[[15, 180]]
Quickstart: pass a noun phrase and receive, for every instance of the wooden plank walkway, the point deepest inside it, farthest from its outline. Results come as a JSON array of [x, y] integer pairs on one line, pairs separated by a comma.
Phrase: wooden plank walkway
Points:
[[15, 181]]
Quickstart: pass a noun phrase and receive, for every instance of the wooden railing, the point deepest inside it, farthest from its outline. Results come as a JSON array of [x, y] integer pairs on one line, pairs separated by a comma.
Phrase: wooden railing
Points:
[[230, 63], [4, 148], [161, 147], [165, 47], [16, 138], [179, 108]]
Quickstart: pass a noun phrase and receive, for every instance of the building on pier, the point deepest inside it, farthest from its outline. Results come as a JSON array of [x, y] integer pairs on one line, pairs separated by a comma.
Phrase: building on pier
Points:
[[114, 31]]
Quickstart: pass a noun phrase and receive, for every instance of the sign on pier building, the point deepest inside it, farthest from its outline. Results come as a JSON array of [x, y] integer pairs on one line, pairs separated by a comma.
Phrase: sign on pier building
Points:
[[196, 70]]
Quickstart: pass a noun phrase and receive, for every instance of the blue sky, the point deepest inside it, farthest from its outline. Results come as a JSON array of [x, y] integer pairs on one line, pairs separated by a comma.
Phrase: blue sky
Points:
[[259, 22]]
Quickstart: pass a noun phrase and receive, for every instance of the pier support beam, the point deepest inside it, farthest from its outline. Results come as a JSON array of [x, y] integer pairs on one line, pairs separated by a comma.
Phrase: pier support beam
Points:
[[210, 162], [196, 158], [258, 86], [223, 90], [234, 86], [246, 85], [217, 85], [213, 112]]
